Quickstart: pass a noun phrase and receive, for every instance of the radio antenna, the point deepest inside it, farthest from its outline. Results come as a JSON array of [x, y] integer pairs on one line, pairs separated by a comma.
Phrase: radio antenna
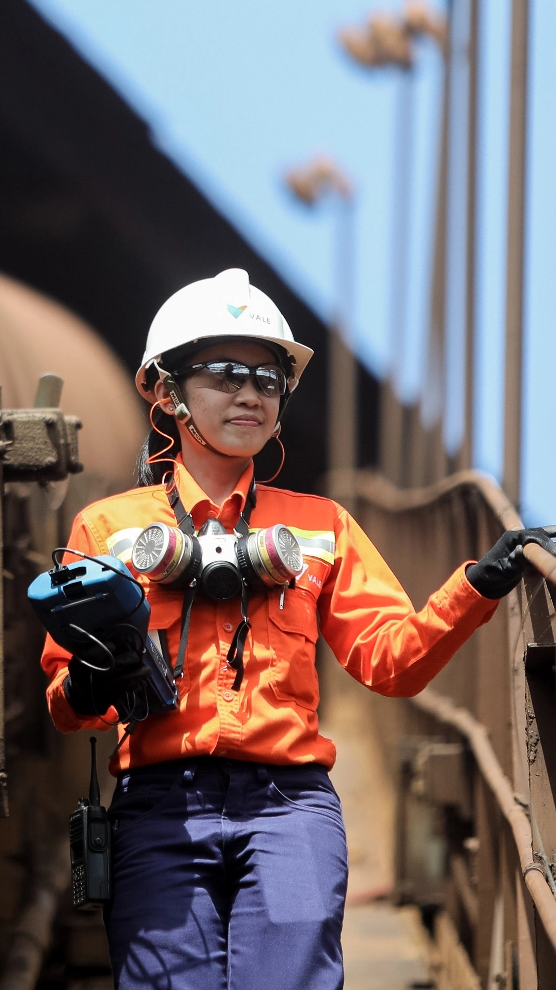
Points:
[[94, 789]]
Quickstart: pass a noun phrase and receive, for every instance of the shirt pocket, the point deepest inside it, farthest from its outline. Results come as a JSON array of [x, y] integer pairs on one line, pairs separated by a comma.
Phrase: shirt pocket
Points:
[[293, 632], [166, 609]]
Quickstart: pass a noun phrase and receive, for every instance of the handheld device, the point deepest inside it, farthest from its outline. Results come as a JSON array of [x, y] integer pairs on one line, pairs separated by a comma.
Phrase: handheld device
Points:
[[93, 597], [161, 692], [90, 847], [97, 599]]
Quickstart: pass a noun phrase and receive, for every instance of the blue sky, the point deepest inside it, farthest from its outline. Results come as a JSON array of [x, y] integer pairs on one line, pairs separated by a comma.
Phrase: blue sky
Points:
[[235, 93]]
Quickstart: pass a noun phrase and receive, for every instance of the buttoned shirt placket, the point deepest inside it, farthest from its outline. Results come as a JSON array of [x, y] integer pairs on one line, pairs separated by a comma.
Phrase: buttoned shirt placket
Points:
[[227, 701]]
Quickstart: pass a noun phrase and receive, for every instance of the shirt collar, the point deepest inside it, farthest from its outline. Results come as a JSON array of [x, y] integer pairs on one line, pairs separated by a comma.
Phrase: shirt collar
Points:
[[201, 507]]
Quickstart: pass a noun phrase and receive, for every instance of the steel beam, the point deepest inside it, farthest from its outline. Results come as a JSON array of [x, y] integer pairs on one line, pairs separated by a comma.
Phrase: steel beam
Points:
[[515, 251], [465, 454]]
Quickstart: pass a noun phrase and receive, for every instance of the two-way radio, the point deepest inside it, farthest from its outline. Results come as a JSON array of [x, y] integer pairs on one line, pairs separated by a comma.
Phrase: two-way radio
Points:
[[90, 847]]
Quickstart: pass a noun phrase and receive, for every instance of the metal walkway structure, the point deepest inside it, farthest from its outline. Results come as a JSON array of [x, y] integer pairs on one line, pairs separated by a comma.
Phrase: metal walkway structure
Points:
[[469, 765]]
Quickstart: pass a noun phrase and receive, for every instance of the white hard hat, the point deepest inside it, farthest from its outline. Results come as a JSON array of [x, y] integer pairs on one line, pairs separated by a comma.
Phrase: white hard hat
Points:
[[223, 306]]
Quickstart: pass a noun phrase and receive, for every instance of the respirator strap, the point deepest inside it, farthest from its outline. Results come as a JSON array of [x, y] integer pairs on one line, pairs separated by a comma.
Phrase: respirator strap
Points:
[[185, 520], [242, 525], [187, 526], [188, 600], [237, 646], [183, 517]]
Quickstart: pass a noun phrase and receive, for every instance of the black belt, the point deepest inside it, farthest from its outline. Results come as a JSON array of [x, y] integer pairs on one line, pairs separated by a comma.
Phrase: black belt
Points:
[[215, 763]]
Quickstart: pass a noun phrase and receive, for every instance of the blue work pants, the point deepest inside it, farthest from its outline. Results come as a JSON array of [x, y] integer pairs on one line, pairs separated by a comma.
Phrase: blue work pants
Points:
[[228, 875]]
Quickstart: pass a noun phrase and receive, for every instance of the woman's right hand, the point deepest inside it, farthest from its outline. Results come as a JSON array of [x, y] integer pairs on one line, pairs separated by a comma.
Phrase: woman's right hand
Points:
[[92, 691]]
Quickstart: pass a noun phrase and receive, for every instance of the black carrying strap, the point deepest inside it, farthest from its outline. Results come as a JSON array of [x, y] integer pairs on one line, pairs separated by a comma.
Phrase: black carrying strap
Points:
[[187, 526], [188, 600], [185, 522], [183, 517], [242, 525], [237, 646]]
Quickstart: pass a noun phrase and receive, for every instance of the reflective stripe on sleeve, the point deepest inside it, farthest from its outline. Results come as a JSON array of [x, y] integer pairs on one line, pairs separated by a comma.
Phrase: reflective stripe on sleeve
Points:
[[120, 544], [315, 543]]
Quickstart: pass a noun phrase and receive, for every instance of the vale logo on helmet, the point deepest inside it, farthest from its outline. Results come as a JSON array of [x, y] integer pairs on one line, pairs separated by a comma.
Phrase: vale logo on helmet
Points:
[[236, 312]]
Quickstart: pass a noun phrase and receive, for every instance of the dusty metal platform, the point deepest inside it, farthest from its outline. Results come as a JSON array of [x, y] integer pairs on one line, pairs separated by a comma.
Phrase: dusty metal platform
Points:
[[382, 950], [384, 947]]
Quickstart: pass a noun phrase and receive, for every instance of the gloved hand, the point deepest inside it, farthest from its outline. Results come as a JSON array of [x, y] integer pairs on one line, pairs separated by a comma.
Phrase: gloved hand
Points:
[[91, 692], [501, 568]]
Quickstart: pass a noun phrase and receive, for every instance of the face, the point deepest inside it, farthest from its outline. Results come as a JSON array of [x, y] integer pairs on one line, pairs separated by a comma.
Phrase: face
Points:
[[236, 423]]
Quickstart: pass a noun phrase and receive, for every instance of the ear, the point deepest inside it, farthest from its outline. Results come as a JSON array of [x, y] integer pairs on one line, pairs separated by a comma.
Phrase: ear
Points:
[[162, 396], [277, 430]]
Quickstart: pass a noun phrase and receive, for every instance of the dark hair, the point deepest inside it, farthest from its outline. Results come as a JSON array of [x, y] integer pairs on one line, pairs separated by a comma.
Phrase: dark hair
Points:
[[151, 474]]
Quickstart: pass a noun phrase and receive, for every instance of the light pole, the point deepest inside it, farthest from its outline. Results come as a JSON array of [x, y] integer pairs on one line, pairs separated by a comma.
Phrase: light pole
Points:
[[464, 457], [432, 457], [310, 184], [387, 41], [514, 264]]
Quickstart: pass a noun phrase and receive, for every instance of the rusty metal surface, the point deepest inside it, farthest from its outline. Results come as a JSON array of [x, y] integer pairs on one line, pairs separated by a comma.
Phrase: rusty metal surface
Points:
[[37, 335], [536, 859], [48, 771], [36, 445], [503, 680], [39, 444], [32, 935]]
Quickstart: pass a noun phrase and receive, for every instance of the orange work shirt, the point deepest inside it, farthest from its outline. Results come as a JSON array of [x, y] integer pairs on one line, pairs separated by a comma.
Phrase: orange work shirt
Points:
[[346, 591]]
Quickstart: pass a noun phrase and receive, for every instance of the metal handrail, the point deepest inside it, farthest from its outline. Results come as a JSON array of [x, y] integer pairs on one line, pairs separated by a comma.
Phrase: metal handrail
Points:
[[445, 711], [385, 496], [377, 489]]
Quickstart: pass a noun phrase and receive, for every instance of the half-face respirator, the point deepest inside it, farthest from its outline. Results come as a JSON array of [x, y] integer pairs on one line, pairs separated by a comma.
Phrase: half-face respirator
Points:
[[217, 561], [221, 565]]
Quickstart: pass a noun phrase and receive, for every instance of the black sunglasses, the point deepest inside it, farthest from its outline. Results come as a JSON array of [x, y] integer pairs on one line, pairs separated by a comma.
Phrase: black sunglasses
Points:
[[230, 376]]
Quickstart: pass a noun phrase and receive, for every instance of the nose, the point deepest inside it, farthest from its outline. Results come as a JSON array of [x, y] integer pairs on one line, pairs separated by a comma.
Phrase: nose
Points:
[[249, 394]]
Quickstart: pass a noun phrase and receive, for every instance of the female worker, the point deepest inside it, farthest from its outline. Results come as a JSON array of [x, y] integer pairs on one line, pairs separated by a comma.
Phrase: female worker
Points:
[[229, 847]]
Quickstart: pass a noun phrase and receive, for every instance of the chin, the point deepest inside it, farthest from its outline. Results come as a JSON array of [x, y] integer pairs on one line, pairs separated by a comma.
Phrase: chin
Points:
[[240, 451], [238, 446]]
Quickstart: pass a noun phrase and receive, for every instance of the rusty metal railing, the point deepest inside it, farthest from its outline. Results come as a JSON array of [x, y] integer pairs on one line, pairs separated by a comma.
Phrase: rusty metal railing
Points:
[[444, 710], [495, 702]]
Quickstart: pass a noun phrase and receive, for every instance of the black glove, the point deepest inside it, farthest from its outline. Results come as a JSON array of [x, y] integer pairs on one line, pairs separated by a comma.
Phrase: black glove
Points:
[[91, 692], [501, 568]]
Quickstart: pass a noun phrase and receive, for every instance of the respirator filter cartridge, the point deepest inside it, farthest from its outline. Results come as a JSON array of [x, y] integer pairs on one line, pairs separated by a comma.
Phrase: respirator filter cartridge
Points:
[[218, 560], [274, 555], [165, 554]]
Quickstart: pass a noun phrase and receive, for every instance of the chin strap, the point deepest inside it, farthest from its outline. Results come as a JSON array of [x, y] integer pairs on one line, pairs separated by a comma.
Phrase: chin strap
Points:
[[183, 415], [198, 436], [181, 411]]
